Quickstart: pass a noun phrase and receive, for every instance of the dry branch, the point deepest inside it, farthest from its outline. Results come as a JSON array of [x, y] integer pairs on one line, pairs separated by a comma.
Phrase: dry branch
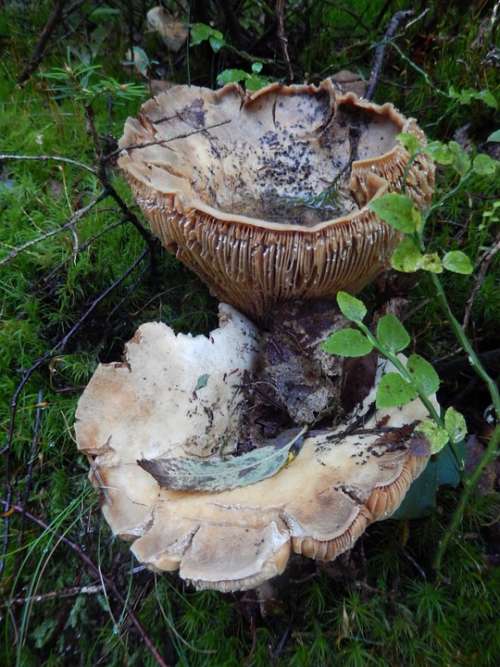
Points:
[[56, 349], [378, 59], [484, 264], [53, 21], [280, 8], [96, 572], [68, 225]]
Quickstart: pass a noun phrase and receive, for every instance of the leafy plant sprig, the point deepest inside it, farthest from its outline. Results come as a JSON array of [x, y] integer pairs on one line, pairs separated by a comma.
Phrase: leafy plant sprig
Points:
[[81, 82], [412, 255], [414, 378], [253, 80]]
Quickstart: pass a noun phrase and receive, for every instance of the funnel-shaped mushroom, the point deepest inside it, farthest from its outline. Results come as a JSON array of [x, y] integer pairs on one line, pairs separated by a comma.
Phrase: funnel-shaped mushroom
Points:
[[177, 399], [265, 196]]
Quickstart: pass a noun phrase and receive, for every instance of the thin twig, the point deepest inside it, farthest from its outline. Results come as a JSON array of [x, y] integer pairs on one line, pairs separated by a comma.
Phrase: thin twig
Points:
[[96, 572], [45, 158], [484, 265], [103, 176], [35, 441], [378, 59], [57, 595], [161, 142], [53, 21], [68, 225], [57, 349], [280, 9]]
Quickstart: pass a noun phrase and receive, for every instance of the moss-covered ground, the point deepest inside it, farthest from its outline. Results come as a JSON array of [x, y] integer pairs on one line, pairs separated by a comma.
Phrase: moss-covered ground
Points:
[[379, 605]]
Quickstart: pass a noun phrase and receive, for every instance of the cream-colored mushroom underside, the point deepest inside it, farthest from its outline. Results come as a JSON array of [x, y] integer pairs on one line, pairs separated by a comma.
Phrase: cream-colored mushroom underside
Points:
[[317, 505], [261, 158]]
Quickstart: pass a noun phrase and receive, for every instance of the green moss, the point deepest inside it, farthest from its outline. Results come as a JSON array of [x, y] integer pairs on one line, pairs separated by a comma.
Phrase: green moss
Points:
[[377, 608]]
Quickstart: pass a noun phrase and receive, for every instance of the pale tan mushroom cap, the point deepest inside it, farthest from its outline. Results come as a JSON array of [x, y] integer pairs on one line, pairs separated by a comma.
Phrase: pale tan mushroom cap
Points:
[[223, 176], [318, 505]]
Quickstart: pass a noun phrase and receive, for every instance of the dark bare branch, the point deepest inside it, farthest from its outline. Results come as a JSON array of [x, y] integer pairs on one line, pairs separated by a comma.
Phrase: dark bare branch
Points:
[[52, 23], [378, 59], [108, 581], [68, 225], [280, 10]]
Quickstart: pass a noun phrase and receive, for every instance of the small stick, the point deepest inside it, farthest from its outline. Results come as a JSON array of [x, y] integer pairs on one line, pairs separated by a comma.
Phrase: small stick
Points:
[[45, 158], [280, 7], [161, 142], [35, 441], [68, 225], [378, 59], [97, 572], [53, 21], [58, 347], [58, 595], [484, 265]]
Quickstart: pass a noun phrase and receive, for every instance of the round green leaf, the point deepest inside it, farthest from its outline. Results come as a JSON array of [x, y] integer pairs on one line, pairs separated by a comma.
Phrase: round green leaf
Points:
[[394, 391], [455, 425], [431, 262], [458, 262], [461, 161], [391, 334], [257, 68], [484, 165], [436, 435], [407, 257], [439, 152], [398, 211], [352, 308], [348, 343], [409, 141], [424, 376], [494, 136]]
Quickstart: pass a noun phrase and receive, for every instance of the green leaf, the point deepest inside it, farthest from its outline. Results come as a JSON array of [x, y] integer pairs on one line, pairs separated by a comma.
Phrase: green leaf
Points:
[[201, 32], [391, 333], [484, 165], [350, 307], [424, 376], [347, 343], [436, 435], [431, 262], [104, 13], [461, 161], [216, 42], [257, 68], [439, 152], [202, 381], [455, 425], [254, 82], [394, 391], [458, 262], [409, 141], [468, 95], [231, 76], [407, 257], [43, 632], [494, 136], [398, 211], [186, 474]]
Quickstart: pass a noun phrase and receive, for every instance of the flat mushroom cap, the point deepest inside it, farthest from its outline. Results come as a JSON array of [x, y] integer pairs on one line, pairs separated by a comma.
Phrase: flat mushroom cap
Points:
[[342, 479], [235, 185]]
